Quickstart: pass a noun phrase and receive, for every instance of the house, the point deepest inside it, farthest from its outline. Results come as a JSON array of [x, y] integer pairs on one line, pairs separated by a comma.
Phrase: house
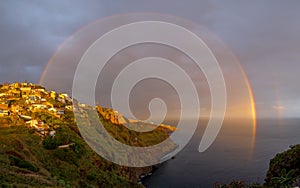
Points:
[[5, 87], [61, 100], [25, 91], [60, 112], [52, 133], [53, 94], [34, 97], [14, 92], [41, 126], [39, 90], [69, 107], [24, 84], [53, 110], [50, 105], [4, 110], [38, 107], [4, 113], [4, 106], [16, 85], [15, 108], [62, 96], [3, 94], [38, 125], [32, 123]]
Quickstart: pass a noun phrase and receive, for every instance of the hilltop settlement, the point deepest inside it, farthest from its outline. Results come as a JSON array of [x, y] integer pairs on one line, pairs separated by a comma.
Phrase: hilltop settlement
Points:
[[25, 100], [42, 146]]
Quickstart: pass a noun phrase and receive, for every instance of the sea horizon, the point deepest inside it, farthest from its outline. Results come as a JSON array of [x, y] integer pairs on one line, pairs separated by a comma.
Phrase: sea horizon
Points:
[[229, 158]]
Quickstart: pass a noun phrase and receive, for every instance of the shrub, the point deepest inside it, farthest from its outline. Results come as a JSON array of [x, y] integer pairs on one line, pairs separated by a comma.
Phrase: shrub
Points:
[[22, 163], [284, 168], [50, 143]]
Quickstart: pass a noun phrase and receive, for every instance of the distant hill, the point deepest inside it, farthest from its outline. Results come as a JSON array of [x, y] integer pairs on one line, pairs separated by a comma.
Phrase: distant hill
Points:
[[40, 144]]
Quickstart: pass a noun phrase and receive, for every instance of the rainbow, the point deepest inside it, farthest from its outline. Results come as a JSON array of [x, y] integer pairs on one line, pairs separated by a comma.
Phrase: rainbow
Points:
[[251, 98], [249, 88], [253, 108]]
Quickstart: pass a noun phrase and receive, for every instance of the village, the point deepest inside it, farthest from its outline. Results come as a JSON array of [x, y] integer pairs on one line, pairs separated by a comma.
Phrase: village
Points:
[[26, 104], [22, 100]]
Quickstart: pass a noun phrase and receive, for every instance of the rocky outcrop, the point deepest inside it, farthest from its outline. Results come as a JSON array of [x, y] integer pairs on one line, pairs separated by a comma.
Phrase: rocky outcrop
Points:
[[111, 115], [117, 118]]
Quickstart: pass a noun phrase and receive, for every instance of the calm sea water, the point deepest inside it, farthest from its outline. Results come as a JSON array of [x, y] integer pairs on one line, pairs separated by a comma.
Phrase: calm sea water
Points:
[[230, 157]]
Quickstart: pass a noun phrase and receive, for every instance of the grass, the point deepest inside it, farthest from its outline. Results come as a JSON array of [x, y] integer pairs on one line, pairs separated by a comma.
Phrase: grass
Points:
[[28, 159], [24, 161]]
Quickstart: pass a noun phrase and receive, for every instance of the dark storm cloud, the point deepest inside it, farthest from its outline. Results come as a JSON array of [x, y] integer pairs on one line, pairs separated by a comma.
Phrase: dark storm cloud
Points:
[[30, 33], [263, 35]]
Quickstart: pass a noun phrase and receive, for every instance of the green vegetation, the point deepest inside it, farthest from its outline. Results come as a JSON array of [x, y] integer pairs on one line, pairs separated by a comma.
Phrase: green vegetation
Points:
[[285, 180], [24, 161], [284, 168], [284, 172]]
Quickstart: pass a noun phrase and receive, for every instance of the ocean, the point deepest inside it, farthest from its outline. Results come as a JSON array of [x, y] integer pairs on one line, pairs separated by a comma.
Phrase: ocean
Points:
[[231, 157]]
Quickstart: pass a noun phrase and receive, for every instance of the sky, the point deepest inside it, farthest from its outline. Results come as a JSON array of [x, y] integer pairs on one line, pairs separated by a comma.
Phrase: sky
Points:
[[263, 35]]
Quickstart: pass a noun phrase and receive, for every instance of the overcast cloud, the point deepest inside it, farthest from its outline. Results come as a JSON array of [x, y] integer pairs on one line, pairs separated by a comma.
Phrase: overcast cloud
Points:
[[264, 35]]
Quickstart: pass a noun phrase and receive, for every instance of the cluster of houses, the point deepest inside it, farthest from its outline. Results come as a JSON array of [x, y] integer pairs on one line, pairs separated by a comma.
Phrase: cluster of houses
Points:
[[40, 127], [21, 98]]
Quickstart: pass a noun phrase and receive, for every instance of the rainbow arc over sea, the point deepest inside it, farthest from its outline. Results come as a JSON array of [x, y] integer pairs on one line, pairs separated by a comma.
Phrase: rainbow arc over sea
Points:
[[65, 59]]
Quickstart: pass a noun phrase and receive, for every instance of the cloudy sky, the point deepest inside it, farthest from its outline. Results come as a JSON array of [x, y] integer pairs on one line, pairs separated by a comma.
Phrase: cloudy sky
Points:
[[264, 35]]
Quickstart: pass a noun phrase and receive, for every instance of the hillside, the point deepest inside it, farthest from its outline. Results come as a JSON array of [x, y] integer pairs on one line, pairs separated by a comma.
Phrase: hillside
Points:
[[42, 146], [284, 168]]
